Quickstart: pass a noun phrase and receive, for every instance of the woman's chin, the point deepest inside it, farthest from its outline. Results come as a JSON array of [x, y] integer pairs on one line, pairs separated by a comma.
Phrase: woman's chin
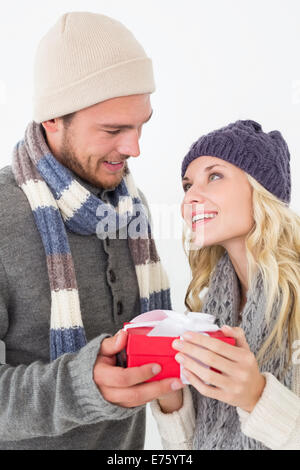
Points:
[[197, 242]]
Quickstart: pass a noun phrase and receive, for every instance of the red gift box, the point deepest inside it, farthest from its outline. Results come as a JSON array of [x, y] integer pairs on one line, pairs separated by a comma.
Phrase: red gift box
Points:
[[142, 349]]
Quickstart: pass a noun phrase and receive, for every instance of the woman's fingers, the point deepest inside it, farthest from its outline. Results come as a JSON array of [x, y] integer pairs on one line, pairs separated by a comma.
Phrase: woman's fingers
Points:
[[204, 373], [233, 353], [205, 356], [236, 333], [203, 388]]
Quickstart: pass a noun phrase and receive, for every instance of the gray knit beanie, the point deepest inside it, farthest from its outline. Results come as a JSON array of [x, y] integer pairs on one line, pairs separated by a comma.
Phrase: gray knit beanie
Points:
[[264, 156], [84, 59]]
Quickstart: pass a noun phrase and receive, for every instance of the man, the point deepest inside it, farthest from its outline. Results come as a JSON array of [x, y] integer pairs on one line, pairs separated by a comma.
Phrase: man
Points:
[[58, 270]]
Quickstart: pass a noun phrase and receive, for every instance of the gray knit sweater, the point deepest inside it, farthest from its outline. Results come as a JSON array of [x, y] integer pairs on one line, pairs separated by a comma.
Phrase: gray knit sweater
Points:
[[57, 405]]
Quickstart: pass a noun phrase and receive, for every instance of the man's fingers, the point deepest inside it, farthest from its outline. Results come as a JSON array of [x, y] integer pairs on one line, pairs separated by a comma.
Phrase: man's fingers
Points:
[[115, 344], [119, 377], [110, 360], [126, 387], [140, 394]]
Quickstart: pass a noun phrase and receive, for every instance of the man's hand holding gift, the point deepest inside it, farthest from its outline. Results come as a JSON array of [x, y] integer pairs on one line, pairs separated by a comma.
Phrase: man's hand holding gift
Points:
[[127, 387]]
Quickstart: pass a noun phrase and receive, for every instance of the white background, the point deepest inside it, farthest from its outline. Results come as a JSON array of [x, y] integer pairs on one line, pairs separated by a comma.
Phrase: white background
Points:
[[215, 62]]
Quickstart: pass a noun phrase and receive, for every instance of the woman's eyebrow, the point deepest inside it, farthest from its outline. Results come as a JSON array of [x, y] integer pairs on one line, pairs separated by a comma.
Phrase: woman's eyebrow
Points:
[[205, 169]]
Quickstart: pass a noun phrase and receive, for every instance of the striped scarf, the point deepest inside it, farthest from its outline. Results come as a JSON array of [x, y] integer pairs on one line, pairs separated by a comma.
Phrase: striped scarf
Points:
[[58, 201]]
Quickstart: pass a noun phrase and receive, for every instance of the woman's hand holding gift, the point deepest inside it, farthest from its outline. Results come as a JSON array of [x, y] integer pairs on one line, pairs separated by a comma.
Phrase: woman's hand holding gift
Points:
[[240, 382]]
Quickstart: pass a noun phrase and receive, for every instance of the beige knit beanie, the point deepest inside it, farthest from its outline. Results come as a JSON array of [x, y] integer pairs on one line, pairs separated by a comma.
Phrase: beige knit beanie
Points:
[[86, 58]]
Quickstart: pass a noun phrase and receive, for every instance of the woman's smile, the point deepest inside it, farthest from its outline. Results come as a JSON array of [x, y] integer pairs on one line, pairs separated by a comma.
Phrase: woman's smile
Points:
[[202, 218]]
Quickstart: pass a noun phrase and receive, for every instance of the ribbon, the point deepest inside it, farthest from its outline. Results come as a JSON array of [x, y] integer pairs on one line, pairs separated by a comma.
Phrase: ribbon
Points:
[[170, 323]]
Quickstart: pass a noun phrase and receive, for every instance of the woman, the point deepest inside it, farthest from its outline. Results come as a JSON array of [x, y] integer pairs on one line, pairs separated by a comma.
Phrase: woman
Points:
[[248, 257]]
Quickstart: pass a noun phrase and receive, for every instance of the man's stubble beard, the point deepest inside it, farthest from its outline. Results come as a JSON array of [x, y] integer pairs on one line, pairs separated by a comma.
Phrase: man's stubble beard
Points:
[[67, 156]]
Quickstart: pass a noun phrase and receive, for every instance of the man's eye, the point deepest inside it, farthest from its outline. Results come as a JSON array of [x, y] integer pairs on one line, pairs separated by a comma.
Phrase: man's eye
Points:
[[113, 132]]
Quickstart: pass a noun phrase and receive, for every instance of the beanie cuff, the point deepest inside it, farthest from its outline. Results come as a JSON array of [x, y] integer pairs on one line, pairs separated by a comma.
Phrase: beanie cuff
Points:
[[132, 77]]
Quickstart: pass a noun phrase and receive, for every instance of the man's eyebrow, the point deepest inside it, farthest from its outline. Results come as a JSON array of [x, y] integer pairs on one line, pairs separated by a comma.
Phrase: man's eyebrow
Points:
[[122, 126], [185, 178]]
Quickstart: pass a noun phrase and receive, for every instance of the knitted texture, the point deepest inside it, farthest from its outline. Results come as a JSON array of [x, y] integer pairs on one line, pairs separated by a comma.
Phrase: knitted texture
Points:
[[217, 423], [84, 59], [264, 156], [275, 420], [59, 201]]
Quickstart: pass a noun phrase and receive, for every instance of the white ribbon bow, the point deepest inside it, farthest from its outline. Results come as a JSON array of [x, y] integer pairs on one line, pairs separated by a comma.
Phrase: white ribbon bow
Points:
[[170, 323]]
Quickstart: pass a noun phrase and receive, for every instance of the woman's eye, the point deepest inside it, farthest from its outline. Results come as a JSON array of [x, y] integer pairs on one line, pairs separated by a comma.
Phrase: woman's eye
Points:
[[187, 186], [215, 174]]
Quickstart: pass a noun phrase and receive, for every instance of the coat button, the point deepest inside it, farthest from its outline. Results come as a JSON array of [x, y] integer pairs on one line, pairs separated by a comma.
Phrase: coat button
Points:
[[112, 276], [119, 308]]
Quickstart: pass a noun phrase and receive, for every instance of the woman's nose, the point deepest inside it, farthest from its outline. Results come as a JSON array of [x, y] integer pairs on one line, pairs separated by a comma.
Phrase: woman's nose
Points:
[[194, 196], [193, 201]]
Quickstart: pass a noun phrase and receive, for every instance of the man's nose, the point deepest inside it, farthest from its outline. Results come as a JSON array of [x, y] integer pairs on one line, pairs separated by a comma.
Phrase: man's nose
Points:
[[129, 145]]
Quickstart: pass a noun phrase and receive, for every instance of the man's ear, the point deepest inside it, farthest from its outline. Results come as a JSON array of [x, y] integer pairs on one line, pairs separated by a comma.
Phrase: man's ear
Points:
[[52, 125]]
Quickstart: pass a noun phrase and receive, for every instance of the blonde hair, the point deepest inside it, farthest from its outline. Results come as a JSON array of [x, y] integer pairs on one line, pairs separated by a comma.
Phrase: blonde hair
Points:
[[273, 247]]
